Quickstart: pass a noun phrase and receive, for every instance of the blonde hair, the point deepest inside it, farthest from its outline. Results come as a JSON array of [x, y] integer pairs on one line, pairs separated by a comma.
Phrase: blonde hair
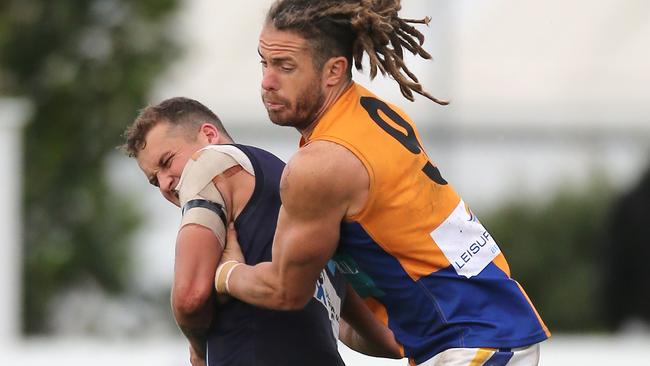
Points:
[[352, 28]]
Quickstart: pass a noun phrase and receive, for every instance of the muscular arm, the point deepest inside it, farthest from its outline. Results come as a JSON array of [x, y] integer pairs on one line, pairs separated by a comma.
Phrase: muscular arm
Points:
[[362, 332], [319, 187], [197, 253]]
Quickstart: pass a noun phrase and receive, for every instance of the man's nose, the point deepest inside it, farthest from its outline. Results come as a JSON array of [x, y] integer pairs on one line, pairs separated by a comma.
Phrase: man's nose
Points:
[[166, 183], [269, 80]]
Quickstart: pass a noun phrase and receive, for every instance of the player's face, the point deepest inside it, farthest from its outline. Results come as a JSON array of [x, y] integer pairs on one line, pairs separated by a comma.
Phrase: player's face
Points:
[[292, 89], [164, 156]]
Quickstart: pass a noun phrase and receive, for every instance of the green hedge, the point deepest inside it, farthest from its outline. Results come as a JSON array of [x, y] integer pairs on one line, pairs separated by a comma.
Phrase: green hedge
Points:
[[554, 250]]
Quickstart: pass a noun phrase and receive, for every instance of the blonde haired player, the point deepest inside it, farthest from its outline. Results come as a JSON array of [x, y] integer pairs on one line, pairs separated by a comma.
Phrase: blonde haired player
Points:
[[362, 188]]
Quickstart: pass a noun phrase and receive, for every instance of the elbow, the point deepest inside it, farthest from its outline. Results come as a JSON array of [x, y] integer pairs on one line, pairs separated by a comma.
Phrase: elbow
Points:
[[188, 302], [291, 305], [285, 300], [394, 351]]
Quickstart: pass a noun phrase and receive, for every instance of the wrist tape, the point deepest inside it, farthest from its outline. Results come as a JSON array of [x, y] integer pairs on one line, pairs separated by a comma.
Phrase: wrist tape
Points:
[[223, 275]]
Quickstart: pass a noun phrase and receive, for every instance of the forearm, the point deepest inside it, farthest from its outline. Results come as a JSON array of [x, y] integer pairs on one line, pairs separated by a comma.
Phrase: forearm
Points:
[[351, 338], [262, 285], [195, 324], [197, 339], [363, 332], [197, 254], [301, 248]]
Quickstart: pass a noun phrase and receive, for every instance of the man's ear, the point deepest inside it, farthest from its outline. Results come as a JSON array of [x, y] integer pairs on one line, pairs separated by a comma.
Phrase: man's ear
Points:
[[335, 71], [210, 132]]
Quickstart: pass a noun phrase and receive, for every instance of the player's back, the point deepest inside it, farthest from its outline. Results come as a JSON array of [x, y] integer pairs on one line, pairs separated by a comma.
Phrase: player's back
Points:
[[243, 334]]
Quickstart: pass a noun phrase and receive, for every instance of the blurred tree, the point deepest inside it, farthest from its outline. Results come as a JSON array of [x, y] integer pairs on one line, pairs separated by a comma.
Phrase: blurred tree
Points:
[[87, 67], [555, 251]]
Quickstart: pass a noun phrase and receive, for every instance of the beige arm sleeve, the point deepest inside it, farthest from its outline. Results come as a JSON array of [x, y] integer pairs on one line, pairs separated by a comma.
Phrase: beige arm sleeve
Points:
[[200, 200]]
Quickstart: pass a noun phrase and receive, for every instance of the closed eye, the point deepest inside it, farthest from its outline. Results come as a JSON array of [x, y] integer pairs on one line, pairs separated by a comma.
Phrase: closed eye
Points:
[[167, 162], [165, 159]]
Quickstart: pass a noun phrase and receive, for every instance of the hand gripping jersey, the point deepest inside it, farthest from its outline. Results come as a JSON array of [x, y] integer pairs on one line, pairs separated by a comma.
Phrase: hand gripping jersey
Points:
[[242, 334], [418, 255]]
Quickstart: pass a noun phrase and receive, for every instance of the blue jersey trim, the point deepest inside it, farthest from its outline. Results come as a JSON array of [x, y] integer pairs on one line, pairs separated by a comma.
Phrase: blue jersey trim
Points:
[[442, 310], [499, 358]]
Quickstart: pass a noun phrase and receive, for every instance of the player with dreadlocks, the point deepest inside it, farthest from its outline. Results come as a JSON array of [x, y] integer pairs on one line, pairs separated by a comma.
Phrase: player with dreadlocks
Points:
[[362, 189]]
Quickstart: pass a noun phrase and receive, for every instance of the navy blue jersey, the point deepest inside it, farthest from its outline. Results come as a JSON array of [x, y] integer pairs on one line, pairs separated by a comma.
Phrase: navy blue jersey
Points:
[[243, 334]]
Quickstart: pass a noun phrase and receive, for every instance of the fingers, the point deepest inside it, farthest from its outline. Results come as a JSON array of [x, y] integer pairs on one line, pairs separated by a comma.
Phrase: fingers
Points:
[[232, 250], [231, 234]]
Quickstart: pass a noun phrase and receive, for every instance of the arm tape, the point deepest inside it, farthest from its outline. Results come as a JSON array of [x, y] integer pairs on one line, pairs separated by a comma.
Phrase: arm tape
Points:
[[222, 276], [212, 206]]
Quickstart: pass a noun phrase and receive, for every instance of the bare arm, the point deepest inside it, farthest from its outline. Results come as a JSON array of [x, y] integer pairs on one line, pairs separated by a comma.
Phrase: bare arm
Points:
[[318, 188], [197, 253], [362, 332]]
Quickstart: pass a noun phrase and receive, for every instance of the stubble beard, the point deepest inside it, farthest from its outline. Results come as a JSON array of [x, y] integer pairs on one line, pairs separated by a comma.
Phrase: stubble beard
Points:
[[305, 110]]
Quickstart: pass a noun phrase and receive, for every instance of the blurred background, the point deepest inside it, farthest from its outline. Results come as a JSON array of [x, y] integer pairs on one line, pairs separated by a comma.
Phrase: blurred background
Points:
[[547, 137]]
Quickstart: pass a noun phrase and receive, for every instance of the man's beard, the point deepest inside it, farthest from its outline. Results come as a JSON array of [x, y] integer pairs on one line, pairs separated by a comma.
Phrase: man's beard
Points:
[[306, 108]]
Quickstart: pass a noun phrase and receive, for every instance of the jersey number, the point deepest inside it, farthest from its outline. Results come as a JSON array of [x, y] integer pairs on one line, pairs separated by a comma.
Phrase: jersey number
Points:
[[408, 140]]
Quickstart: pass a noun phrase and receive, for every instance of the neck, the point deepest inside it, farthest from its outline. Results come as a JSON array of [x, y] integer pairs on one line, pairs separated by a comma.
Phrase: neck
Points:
[[332, 96]]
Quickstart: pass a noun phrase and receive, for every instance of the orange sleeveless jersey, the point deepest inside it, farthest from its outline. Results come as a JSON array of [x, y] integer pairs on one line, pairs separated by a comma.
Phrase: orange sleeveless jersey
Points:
[[417, 254]]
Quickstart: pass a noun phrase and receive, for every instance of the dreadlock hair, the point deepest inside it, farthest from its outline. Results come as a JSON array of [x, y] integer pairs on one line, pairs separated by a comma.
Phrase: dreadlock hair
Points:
[[179, 112], [351, 28]]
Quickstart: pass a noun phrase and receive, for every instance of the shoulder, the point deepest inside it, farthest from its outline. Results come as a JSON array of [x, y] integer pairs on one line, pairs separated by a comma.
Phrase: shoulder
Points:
[[323, 163], [214, 157], [207, 163], [323, 174], [262, 158], [327, 154]]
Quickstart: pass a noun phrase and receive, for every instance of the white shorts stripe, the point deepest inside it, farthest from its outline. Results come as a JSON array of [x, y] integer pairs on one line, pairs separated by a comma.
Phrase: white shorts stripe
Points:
[[525, 356]]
